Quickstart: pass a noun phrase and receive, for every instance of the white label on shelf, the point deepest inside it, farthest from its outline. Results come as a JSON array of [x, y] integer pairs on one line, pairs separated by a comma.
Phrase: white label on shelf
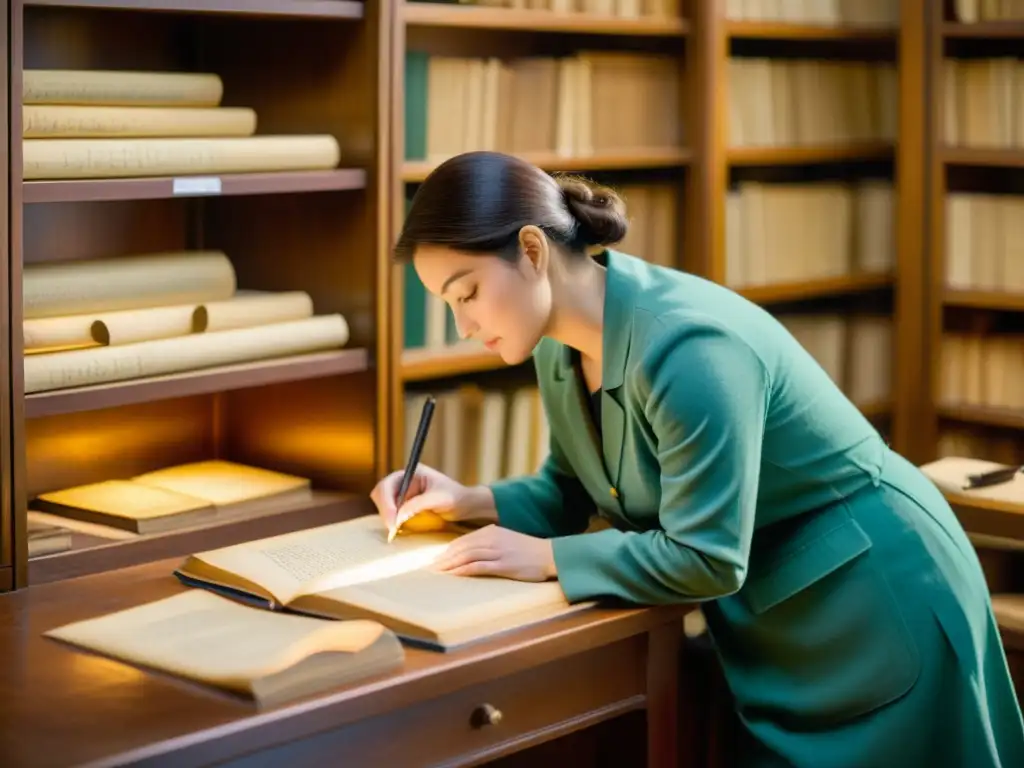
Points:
[[197, 185]]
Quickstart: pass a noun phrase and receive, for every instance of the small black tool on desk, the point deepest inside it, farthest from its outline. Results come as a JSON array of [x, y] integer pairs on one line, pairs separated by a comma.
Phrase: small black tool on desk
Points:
[[414, 457], [993, 477]]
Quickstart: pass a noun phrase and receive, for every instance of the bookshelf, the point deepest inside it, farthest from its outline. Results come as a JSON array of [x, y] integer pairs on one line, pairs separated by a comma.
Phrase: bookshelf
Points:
[[553, 63], [867, 159], [976, 290], [301, 216], [807, 181]]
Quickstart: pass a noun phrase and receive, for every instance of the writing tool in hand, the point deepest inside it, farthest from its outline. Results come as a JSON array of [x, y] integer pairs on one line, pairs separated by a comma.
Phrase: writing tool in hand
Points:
[[414, 459]]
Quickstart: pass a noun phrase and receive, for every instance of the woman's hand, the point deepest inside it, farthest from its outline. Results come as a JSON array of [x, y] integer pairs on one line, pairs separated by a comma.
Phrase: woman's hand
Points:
[[496, 551], [433, 499]]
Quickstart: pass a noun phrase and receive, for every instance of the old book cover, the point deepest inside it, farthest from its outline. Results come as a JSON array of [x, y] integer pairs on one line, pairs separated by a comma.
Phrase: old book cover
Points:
[[348, 570], [269, 658]]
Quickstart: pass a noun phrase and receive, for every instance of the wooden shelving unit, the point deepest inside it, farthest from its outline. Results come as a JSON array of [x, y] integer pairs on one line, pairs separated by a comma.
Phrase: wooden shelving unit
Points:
[[452, 30], [733, 46], [973, 298], [305, 67]]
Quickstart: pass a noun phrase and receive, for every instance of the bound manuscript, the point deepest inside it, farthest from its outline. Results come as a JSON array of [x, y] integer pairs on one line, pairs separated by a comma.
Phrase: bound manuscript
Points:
[[348, 570]]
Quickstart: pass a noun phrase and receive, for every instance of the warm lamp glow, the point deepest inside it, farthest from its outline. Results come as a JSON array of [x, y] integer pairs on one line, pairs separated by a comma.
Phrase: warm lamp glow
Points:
[[392, 565]]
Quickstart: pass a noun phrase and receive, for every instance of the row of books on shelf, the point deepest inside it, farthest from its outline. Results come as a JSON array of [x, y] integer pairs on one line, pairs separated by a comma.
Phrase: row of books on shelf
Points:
[[780, 233], [481, 434], [982, 370], [654, 211], [983, 102], [1004, 448], [811, 102], [974, 11], [985, 241], [114, 319], [622, 9], [80, 124], [540, 104], [838, 13]]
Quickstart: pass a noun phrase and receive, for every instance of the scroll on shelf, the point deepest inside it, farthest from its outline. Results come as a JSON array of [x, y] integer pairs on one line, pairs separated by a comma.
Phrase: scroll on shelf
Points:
[[95, 124], [137, 316]]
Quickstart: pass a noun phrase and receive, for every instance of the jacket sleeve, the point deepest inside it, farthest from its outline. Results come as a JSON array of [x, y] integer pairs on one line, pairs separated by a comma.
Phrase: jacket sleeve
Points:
[[705, 396], [550, 503]]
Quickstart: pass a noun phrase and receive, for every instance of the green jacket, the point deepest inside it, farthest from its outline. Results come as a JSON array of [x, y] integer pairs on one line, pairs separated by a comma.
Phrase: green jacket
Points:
[[838, 586]]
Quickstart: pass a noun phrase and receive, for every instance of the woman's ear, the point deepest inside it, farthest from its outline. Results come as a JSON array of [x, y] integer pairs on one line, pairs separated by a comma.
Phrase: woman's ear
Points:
[[534, 246]]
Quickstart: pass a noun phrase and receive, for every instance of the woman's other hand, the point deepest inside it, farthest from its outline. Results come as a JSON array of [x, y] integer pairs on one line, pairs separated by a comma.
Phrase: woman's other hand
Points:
[[496, 551]]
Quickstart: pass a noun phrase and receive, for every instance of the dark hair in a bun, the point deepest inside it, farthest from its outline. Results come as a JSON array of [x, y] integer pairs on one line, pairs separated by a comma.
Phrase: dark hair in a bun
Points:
[[599, 212], [477, 202]]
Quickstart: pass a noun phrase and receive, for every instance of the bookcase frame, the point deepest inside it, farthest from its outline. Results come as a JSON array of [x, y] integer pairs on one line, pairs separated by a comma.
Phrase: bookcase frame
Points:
[[704, 34], [940, 28], [338, 217], [451, 26], [708, 160]]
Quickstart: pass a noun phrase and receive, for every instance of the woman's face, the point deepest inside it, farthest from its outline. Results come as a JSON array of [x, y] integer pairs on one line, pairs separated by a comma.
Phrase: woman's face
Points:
[[505, 305]]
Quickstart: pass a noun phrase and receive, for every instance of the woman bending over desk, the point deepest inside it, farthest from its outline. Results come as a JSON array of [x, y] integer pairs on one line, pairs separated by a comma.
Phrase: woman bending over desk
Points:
[[845, 602]]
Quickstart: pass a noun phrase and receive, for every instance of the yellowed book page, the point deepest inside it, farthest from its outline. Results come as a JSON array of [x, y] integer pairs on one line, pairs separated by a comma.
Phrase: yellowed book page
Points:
[[80, 526], [248, 309], [55, 289], [950, 475], [222, 482], [124, 158], [58, 121], [210, 639], [326, 557], [112, 500], [454, 608], [121, 88], [83, 367]]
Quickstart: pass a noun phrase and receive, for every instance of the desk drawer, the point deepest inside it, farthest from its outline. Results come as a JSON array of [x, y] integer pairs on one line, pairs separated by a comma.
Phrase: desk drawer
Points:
[[486, 720]]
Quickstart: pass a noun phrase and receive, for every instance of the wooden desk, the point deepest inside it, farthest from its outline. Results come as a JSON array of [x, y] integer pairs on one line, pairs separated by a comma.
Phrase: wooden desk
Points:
[[62, 707], [988, 517]]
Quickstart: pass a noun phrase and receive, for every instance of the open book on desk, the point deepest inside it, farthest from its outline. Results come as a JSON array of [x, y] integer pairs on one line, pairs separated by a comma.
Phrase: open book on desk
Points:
[[268, 658], [348, 570]]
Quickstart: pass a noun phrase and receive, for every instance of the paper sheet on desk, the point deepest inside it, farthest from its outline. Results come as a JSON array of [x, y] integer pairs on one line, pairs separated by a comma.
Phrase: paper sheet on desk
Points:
[[950, 475]]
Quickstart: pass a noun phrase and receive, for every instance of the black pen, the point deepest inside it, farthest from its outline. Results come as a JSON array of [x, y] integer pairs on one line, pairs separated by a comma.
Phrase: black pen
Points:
[[994, 477], [414, 459]]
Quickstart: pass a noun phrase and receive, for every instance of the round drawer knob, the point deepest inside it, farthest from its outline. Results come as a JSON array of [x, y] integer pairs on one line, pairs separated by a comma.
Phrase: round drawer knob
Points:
[[485, 714]]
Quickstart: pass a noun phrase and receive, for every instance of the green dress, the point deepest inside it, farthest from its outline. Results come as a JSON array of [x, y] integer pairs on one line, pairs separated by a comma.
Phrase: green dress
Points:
[[846, 604]]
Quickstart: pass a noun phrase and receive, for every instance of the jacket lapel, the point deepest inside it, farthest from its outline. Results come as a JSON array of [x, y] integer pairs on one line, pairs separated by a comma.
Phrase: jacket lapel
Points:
[[579, 427], [618, 330], [601, 460]]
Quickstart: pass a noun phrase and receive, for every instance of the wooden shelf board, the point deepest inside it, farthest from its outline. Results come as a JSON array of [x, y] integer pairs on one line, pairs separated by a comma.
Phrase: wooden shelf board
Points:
[[457, 360], [875, 410], [808, 155], [418, 170], [315, 9], [988, 517], [983, 299], [1005, 29], [161, 187], [1007, 158], [477, 17], [201, 382], [809, 289], [96, 555], [757, 30], [991, 417]]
